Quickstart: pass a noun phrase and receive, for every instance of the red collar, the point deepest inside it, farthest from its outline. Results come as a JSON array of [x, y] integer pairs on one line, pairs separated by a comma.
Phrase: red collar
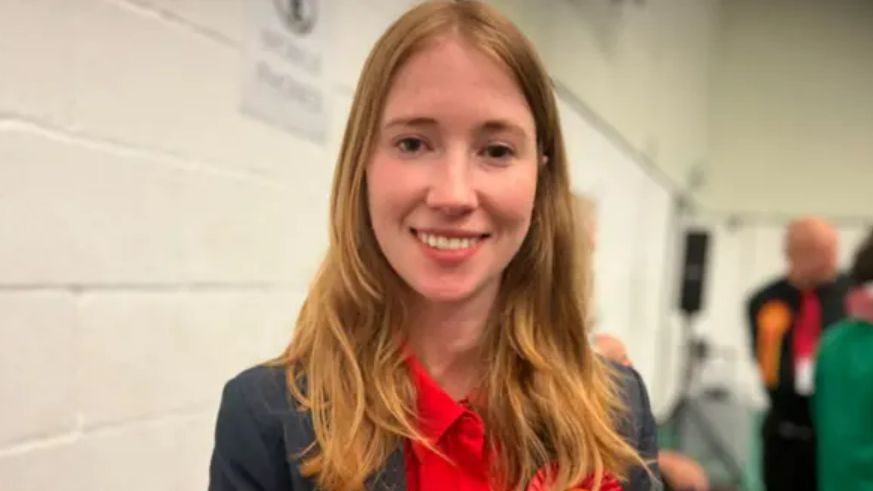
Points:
[[438, 412]]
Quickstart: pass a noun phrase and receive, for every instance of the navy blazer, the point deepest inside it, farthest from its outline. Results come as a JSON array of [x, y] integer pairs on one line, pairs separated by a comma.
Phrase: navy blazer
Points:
[[258, 433]]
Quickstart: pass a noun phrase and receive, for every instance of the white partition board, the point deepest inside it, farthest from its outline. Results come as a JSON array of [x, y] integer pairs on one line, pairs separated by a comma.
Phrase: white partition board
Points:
[[633, 278]]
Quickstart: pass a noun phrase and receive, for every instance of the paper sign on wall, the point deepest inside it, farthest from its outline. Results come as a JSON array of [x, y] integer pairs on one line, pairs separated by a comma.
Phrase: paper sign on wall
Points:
[[284, 82]]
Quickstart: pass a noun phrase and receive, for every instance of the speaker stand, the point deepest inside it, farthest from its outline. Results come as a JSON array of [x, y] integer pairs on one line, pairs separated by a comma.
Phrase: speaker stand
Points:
[[686, 414]]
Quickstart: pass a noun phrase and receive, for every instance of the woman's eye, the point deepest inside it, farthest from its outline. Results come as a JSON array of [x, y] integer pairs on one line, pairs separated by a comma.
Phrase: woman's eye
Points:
[[498, 152], [410, 145]]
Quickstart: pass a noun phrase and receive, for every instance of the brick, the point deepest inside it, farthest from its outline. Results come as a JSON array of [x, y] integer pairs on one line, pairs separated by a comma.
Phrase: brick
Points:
[[51, 467], [225, 18], [36, 365], [194, 451], [277, 314], [238, 231], [36, 56], [147, 354], [236, 330], [170, 455], [134, 352], [184, 90], [85, 215]]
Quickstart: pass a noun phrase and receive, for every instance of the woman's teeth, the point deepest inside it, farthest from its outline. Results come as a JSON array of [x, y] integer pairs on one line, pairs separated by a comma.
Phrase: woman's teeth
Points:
[[448, 243]]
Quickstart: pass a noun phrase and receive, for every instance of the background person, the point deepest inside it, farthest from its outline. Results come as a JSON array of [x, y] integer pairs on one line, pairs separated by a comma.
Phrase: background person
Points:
[[786, 319], [843, 402]]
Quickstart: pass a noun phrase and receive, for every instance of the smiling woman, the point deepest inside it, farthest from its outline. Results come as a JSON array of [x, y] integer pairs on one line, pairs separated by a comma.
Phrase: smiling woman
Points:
[[456, 164], [443, 345]]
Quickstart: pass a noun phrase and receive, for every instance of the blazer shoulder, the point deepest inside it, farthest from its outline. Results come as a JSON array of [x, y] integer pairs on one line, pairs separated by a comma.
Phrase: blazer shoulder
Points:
[[633, 391], [257, 432], [638, 427], [262, 391]]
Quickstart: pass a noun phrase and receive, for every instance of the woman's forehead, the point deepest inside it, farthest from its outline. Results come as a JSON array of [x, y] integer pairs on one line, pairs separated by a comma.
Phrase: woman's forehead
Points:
[[450, 79]]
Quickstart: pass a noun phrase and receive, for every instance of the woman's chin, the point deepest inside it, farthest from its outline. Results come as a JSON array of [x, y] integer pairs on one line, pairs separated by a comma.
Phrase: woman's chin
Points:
[[457, 290], [446, 295]]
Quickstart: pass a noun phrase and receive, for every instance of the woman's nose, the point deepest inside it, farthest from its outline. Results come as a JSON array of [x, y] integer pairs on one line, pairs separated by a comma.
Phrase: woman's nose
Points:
[[452, 188]]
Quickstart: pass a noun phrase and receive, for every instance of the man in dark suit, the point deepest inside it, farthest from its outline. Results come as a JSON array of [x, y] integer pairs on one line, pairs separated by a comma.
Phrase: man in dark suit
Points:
[[258, 435], [786, 318]]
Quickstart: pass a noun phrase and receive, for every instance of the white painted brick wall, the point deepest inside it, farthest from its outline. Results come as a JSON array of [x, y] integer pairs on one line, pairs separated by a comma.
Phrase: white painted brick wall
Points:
[[155, 241], [37, 56], [37, 365]]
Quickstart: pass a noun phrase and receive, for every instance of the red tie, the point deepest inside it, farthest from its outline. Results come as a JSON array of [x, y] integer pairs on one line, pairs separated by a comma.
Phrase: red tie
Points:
[[808, 326]]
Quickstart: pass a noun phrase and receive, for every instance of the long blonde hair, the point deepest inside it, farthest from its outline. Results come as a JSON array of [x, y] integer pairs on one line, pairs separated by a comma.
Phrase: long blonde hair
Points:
[[548, 399]]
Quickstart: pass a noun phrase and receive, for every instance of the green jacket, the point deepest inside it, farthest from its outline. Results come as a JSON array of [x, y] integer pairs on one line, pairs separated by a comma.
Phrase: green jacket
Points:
[[842, 407]]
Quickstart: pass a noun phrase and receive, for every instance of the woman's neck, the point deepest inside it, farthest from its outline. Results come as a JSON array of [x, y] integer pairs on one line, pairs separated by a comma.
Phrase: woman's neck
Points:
[[446, 339]]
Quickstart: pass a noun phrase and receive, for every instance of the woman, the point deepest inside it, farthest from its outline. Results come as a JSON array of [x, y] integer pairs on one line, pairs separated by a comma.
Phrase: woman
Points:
[[842, 406], [442, 345]]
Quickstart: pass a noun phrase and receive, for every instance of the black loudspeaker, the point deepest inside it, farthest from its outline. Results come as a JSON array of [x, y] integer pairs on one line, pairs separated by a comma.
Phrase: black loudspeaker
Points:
[[694, 271]]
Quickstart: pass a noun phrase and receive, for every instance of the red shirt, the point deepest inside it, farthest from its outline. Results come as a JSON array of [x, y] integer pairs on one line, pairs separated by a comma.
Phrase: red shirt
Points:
[[455, 430], [459, 433]]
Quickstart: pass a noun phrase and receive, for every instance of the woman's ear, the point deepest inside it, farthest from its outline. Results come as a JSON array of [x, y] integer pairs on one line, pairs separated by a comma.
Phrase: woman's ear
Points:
[[544, 160]]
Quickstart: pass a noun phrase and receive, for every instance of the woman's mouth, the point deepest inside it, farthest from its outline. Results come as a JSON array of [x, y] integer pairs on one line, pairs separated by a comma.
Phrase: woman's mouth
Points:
[[449, 241]]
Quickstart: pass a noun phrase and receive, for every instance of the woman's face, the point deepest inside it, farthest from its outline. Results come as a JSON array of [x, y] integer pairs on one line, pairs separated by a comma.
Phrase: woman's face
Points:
[[453, 175]]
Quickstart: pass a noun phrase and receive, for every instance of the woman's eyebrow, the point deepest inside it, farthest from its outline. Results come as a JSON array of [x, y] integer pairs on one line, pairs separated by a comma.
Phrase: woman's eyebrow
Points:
[[503, 125], [489, 126], [411, 121]]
